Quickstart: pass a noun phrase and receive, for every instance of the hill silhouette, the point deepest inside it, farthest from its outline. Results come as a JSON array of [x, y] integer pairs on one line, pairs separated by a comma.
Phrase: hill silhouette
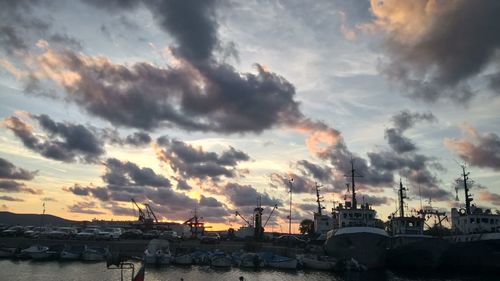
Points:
[[32, 219]]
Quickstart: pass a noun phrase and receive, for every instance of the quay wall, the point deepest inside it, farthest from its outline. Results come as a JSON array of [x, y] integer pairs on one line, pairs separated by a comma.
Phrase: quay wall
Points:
[[132, 248]]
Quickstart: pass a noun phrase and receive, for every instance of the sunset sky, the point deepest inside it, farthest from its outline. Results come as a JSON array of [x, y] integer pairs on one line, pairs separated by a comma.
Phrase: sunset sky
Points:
[[211, 104]]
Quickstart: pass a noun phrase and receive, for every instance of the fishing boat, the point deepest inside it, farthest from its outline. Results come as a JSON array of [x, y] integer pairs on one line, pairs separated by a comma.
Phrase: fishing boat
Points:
[[36, 250], [282, 262], [357, 234], [158, 252], [71, 252], [183, 259], [319, 262], [251, 260], [475, 239], [7, 252], [94, 253], [410, 248], [220, 259]]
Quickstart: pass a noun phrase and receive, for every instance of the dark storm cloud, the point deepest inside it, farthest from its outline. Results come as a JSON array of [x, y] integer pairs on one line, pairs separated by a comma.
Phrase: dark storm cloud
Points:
[[374, 200], [138, 139], [183, 185], [12, 199], [209, 202], [192, 162], [481, 150], [299, 184], [128, 173], [454, 42], [62, 141], [403, 121], [14, 186], [245, 195], [85, 208], [320, 173], [198, 94], [10, 171]]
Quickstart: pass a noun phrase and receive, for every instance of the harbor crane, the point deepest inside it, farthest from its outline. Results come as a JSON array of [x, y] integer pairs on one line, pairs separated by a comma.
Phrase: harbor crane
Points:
[[146, 219], [257, 220]]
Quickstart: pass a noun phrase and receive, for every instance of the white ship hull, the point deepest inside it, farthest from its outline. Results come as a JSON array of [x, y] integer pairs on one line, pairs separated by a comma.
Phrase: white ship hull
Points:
[[365, 245]]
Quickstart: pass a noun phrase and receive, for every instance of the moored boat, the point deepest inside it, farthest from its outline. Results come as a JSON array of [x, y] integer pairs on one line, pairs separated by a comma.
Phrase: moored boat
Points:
[[71, 252], [319, 262], [94, 253], [7, 252], [251, 260], [220, 259], [410, 248], [357, 234], [183, 259], [158, 252], [282, 262], [475, 242]]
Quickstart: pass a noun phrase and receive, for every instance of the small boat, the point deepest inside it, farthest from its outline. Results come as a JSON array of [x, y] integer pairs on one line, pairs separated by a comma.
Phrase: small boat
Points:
[[220, 259], [200, 257], [319, 262], [251, 260], [94, 253], [158, 252], [183, 259], [6, 252], [282, 262], [72, 252], [35, 251]]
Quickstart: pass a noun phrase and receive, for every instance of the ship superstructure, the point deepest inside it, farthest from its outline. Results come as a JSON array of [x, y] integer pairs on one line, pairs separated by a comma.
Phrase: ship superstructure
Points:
[[357, 233]]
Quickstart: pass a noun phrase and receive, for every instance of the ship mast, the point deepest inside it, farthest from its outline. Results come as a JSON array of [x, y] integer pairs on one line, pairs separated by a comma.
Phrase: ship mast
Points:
[[352, 176], [402, 197], [468, 196], [318, 198]]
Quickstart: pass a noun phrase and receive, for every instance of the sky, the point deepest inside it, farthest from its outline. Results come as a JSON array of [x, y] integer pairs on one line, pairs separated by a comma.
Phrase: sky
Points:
[[214, 104]]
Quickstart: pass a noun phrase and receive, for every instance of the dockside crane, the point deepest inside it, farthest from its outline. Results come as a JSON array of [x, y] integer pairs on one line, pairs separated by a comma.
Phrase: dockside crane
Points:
[[146, 219]]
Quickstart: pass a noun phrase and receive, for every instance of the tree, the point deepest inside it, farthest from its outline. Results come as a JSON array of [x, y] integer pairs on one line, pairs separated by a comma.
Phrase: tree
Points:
[[306, 227]]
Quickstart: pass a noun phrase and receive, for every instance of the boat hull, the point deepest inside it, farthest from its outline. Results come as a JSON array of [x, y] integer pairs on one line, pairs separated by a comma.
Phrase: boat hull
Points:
[[316, 264], [183, 259], [416, 253], [365, 245], [473, 255], [284, 264], [69, 256], [221, 261]]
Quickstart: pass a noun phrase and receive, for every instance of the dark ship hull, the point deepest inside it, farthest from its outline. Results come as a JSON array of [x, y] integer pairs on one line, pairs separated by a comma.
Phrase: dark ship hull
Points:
[[477, 254], [416, 252], [365, 245]]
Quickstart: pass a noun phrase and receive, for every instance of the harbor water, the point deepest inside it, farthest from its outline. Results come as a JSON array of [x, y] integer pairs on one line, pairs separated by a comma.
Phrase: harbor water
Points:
[[79, 271]]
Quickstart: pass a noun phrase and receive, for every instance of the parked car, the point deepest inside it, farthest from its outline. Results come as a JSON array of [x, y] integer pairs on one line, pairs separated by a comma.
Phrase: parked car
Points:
[[109, 234], [152, 234], [87, 234], [13, 231], [36, 232], [210, 238], [62, 233], [131, 234], [170, 235], [290, 241]]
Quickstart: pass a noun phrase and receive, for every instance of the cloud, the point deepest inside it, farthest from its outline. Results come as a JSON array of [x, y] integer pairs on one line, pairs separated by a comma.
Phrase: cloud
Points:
[[15, 186], [403, 121], [435, 48], [196, 92], [10, 171], [375, 200], [481, 150], [128, 173], [246, 195], [138, 139], [192, 162], [487, 196], [12, 199], [61, 141], [85, 207]]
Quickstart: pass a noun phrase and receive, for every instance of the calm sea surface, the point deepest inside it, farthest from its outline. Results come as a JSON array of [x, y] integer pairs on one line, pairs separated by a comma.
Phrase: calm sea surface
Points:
[[77, 271]]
